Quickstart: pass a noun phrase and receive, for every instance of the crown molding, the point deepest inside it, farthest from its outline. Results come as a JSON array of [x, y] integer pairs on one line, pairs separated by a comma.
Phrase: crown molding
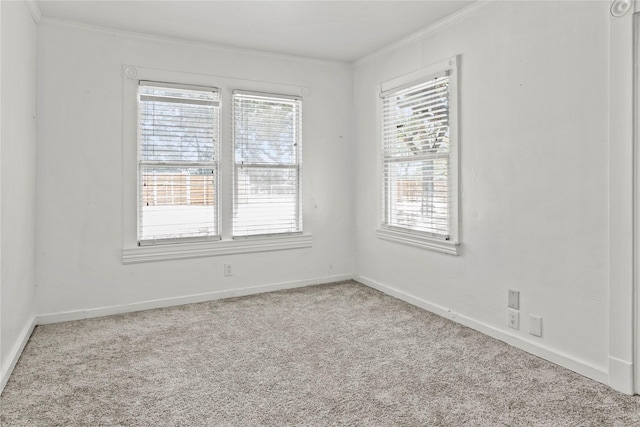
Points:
[[413, 38], [190, 43], [34, 9], [426, 32]]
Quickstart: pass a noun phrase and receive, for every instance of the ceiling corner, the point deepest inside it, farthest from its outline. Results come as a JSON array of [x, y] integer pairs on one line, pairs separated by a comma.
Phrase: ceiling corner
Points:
[[34, 9]]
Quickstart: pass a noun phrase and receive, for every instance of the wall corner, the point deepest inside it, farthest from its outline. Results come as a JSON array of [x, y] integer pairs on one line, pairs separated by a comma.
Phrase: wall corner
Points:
[[34, 10]]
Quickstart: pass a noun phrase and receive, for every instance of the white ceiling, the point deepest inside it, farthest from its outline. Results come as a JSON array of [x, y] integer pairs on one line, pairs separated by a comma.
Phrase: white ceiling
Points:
[[333, 30]]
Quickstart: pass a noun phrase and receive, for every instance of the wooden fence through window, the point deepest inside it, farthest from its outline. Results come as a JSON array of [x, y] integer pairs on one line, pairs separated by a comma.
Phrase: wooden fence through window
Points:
[[178, 189]]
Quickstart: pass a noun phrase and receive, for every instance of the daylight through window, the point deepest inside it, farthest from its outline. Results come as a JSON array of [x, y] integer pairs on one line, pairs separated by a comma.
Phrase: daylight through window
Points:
[[266, 141], [416, 157], [178, 131]]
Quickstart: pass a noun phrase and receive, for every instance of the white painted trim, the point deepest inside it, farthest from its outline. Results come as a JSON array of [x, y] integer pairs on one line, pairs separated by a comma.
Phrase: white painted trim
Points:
[[621, 375], [620, 8], [440, 68], [621, 199], [189, 43], [426, 32], [438, 245], [66, 316], [547, 353], [139, 254], [2, 378], [636, 202], [16, 351], [34, 9]]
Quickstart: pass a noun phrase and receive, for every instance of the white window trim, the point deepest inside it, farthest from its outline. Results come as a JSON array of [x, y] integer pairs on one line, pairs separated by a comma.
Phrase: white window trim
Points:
[[417, 240], [405, 236], [297, 166], [224, 247], [132, 252]]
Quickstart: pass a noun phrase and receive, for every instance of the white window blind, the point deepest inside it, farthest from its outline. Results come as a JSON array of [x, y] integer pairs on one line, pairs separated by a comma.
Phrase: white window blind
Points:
[[178, 134], [416, 157], [266, 141]]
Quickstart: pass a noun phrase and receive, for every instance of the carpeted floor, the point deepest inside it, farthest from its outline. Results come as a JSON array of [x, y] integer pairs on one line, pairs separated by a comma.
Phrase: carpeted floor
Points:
[[337, 354]]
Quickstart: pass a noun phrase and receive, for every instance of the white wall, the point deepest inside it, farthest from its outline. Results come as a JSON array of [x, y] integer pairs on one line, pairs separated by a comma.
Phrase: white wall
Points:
[[17, 179], [534, 176], [79, 223]]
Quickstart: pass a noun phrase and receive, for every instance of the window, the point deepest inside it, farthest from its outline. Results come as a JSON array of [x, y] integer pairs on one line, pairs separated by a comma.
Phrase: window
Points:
[[178, 133], [199, 181], [419, 158], [266, 141]]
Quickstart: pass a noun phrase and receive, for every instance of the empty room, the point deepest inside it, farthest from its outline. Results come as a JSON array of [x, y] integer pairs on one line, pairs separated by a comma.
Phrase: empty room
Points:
[[375, 213]]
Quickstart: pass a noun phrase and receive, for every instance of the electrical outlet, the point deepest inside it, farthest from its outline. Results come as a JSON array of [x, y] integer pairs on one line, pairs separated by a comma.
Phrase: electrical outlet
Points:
[[227, 269], [514, 299], [535, 325], [514, 319]]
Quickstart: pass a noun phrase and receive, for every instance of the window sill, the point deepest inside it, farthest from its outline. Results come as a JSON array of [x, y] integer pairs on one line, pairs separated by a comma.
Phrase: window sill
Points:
[[175, 251], [424, 242]]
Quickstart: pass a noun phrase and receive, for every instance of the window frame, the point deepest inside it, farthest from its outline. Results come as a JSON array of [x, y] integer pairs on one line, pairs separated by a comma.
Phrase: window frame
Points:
[[132, 252], [297, 166], [449, 245], [214, 164]]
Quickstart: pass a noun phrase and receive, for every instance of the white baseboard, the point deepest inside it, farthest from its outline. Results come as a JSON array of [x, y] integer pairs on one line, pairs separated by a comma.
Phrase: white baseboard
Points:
[[188, 299], [16, 351], [621, 375], [536, 349], [618, 376]]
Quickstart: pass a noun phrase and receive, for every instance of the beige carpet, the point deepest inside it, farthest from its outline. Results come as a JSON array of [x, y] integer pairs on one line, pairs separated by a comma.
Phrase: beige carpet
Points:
[[337, 354]]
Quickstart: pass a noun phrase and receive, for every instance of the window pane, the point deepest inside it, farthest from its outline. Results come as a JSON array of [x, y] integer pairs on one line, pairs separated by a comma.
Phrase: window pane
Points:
[[266, 130], [266, 201], [416, 120], [178, 203], [417, 195], [178, 125]]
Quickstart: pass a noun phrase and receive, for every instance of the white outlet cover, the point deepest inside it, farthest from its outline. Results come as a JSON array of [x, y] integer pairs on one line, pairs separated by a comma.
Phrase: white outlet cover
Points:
[[513, 320], [535, 325], [514, 299]]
